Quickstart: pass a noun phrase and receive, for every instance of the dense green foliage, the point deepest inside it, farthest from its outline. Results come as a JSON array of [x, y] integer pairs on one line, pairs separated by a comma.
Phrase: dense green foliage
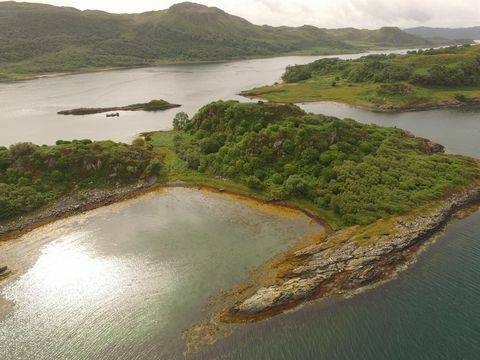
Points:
[[454, 66], [154, 105], [361, 172], [32, 176], [36, 38]]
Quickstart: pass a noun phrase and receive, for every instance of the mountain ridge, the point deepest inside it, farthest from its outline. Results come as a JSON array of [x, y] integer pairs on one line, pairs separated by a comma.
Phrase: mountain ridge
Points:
[[41, 39], [472, 32]]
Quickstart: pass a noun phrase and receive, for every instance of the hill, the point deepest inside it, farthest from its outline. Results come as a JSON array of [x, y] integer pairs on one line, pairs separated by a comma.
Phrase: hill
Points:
[[384, 37], [419, 80], [38, 39], [445, 33], [346, 172]]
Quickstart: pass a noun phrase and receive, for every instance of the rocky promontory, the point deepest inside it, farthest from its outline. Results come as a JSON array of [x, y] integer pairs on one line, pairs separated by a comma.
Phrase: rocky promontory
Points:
[[340, 263]]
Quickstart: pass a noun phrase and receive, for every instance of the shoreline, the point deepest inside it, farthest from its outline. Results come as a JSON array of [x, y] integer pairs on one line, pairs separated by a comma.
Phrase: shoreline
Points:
[[320, 266], [333, 264], [340, 264], [103, 198], [382, 109], [200, 62]]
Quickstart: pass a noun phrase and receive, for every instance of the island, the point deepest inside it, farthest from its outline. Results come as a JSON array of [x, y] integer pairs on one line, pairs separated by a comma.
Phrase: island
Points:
[[154, 105], [418, 80]]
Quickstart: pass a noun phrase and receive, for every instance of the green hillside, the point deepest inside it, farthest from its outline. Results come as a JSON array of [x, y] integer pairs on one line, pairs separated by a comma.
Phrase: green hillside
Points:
[[384, 37], [39, 39], [32, 176], [346, 172], [418, 80]]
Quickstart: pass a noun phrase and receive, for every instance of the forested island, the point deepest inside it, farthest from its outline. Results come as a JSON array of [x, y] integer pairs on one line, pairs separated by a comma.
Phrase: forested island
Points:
[[419, 80], [36, 40], [154, 105]]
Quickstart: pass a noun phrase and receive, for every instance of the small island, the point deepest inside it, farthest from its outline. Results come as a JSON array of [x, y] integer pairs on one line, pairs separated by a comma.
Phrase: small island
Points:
[[154, 105], [419, 80]]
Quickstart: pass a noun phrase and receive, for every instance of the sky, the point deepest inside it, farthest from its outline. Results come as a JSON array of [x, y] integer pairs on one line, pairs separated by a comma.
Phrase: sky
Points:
[[322, 13]]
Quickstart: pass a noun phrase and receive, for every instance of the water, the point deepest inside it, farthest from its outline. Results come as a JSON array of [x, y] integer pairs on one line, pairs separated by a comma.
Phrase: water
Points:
[[430, 312], [122, 282], [28, 109], [457, 129]]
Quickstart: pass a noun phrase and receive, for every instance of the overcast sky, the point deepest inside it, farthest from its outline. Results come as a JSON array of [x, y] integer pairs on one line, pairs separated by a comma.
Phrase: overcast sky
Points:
[[322, 13]]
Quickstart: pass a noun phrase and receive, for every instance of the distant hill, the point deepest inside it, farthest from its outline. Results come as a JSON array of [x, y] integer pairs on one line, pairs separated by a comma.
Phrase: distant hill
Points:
[[384, 37], [38, 38], [452, 34]]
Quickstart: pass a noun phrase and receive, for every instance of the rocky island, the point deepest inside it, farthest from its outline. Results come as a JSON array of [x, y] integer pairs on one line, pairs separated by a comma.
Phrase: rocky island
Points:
[[154, 105], [419, 80]]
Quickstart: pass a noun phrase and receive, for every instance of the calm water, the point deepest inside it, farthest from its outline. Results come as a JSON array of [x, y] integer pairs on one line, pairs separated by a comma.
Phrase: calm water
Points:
[[122, 282], [457, 129], [28, 109]]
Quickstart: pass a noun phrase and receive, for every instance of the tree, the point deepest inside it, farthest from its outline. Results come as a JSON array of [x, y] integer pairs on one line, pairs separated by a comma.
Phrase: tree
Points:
[[180, 120]]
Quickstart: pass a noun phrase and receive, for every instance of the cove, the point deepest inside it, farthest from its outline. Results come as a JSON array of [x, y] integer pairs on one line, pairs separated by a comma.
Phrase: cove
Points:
[[123, 281]]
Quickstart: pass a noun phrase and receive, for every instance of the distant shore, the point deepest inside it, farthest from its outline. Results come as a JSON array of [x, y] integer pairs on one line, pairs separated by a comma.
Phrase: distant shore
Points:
[[39, 76], [390, 108]]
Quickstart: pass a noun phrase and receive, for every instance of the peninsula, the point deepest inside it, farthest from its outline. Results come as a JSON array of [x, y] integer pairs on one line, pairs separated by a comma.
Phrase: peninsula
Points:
[[154, 105], [419, 80], [380, 191]]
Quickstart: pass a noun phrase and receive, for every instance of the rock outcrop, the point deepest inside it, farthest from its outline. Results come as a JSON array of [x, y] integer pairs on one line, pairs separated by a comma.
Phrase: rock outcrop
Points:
[[346, 265]]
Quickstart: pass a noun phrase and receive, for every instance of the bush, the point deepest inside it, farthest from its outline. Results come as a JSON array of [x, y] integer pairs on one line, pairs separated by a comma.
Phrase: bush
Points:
[[254, 182], [140, 142]]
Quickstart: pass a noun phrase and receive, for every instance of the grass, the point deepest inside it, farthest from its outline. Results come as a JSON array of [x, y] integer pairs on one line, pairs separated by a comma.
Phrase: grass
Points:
[[335, 84]]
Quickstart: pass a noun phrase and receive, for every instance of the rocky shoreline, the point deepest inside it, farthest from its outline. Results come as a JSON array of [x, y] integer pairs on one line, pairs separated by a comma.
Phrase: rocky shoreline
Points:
[[338, 265], [71, 205]]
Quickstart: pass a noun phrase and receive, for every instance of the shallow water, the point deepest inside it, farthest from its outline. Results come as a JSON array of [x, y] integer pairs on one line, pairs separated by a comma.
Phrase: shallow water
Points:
[[431, 312], [122, 282]]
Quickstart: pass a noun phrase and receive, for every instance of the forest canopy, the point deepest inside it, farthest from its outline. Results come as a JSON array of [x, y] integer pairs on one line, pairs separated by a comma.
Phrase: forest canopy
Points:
[[360, 172], [33, 176]]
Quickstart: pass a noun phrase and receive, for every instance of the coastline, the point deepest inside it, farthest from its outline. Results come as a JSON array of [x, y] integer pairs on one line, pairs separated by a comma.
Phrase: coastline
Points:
[[341, 264], [71, 206], [324, 264], [383, 109], [200, 62]]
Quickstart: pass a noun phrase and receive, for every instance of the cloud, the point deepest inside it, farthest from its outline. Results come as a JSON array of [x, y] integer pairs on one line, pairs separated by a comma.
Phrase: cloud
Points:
[[322, 13]]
